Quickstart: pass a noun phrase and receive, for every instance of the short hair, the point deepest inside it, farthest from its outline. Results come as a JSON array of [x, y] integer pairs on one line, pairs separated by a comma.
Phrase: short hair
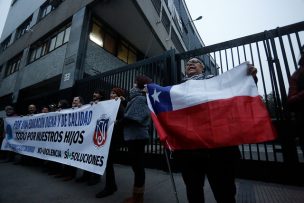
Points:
[[98, 91], [118, 91], [64, 104], [142, 80], [9, 107], [198, 60], [80, 99]]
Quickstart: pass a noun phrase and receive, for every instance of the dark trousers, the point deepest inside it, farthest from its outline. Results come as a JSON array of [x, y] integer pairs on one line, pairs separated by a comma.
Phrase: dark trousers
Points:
[[69, 171], [136, 150], [110, 174], [219, 167]]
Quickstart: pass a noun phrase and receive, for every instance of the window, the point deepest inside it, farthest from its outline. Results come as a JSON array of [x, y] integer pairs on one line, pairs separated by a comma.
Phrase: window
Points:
[[67, 35], [38, 53], [55, 3], [178, 22], [23, 28], [132, 58], [59, 39], [44, 49], [5, 43], [157, 5], [123, 53], [45, 9], [13, 65], [96, 34], [165, 20], [184, 26], [32, 55], [107, 39], [110, 44], [177, 42], [126, 53], [50, 43], [48, 7], [52, 46]]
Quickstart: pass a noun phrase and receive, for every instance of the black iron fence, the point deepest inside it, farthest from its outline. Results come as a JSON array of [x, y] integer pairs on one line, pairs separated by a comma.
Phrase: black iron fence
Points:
[[161, 69], [274, 53]]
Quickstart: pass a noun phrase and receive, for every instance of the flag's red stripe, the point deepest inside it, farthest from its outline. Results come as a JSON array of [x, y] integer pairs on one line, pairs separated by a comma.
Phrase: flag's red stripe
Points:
[[227, 122]]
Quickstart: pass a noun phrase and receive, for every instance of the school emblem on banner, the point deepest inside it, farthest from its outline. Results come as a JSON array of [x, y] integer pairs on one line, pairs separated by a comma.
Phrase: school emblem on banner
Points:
[[101, 132]]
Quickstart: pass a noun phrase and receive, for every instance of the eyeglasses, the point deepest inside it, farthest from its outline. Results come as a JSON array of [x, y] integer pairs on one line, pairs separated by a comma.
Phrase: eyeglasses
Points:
[[193, 61]]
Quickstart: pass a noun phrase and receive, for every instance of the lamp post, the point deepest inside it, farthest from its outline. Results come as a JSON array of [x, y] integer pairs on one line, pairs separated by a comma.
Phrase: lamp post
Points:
[[190, 21], [198, 18]]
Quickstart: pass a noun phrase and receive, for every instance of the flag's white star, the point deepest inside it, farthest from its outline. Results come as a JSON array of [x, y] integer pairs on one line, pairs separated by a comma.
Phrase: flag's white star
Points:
[[155, 95]]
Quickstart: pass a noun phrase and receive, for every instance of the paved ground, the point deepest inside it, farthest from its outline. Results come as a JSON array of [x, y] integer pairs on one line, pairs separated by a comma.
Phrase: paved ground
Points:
[[29, 184]]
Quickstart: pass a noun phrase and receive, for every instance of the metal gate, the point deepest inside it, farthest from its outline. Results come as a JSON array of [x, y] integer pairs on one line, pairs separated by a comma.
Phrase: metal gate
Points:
[[274, 53]]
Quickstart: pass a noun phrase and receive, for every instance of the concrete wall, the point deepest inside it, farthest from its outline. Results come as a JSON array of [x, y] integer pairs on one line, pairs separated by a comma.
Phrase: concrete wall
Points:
[[99, 59], [8, 84], [75, 49], [44, 68], [155, 22]]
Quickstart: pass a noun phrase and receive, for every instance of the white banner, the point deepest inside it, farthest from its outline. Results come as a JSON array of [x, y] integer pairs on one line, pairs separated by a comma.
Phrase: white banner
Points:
[[78, 137]]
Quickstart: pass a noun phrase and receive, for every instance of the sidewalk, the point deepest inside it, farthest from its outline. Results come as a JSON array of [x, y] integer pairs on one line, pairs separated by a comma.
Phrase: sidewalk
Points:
[[29, 184]]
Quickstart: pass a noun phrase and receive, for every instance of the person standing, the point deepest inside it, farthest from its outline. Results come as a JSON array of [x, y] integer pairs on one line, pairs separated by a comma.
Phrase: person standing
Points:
[[89, 177], [136, 134], [117, 137], [295, 99], [69, 172], [8, 155], [217, 164], [55, 168]]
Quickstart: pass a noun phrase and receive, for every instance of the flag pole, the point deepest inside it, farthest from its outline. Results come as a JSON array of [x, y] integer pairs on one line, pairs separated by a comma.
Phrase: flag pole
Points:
[[171, 176]]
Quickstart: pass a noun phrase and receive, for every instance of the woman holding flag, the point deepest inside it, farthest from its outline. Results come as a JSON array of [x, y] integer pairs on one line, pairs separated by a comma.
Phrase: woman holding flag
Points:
[[218, 164]]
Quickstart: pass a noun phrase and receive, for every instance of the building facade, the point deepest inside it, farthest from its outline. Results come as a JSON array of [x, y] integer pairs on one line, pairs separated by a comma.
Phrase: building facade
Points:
[[47, 45]]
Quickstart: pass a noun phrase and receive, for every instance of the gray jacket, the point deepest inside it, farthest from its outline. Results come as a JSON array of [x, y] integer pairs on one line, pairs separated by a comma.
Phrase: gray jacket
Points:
[[136, 117]]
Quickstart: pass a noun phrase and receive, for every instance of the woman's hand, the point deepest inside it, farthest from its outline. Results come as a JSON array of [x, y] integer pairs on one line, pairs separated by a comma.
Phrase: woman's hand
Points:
[[252, 70]]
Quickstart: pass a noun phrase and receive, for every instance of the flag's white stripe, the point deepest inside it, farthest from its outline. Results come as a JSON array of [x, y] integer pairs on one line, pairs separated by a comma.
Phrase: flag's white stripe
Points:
[[232, 83], [149, 103]]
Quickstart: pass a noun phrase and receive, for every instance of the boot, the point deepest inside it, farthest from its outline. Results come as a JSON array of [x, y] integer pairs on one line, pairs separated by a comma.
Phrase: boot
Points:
[[138, 196], [106, 192]]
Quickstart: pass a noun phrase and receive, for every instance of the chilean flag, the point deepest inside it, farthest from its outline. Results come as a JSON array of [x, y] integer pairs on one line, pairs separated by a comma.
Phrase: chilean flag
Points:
[[222, 111]]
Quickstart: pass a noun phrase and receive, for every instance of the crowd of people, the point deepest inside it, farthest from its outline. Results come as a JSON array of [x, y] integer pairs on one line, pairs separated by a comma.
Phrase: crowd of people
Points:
[[132, 130]]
